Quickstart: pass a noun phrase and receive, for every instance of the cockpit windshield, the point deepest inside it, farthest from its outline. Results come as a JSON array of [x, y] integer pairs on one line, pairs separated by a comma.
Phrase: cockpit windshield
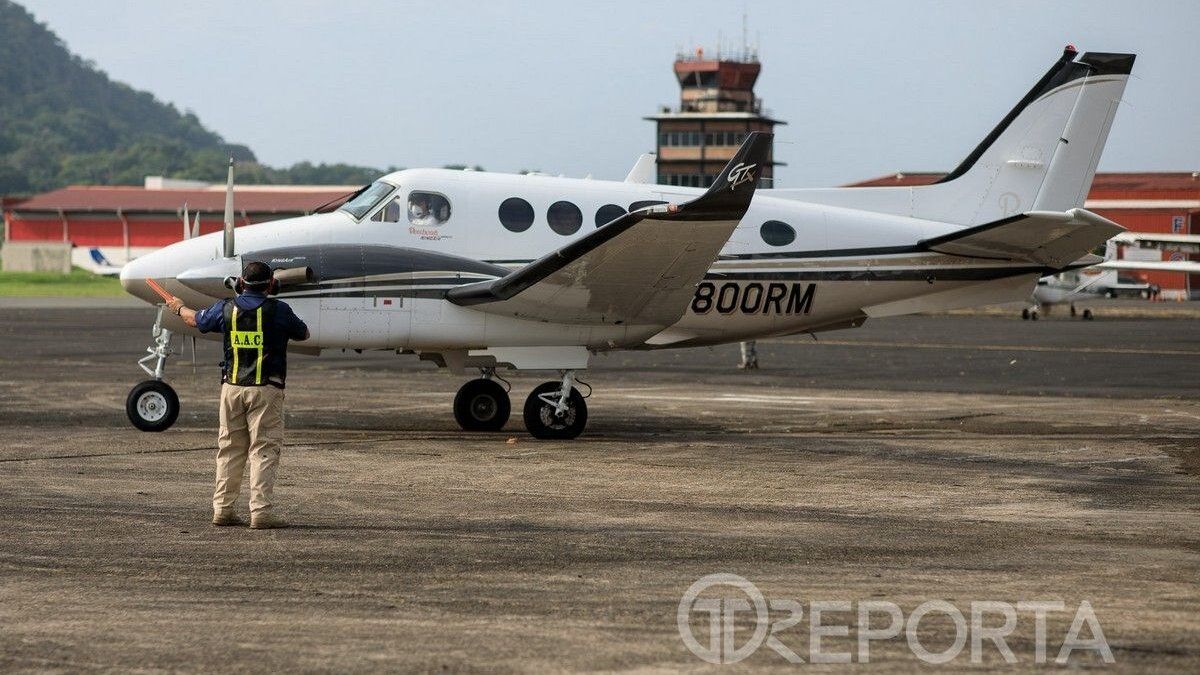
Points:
[[363, 203]]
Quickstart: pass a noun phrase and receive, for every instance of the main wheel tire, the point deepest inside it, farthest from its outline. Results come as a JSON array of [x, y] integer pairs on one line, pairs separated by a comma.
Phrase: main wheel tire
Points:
[[152, 406], [1033, 316], [541, 421], [482, 405], [1087, 315], [1025, 314]]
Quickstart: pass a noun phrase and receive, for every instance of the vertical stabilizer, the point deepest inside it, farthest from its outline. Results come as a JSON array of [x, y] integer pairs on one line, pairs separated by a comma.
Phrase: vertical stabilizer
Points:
[[1042, 155], [1073, 165]]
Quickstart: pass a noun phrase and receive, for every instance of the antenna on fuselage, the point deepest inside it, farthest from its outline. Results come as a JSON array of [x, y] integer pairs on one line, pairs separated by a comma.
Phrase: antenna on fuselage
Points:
[[229, 212]]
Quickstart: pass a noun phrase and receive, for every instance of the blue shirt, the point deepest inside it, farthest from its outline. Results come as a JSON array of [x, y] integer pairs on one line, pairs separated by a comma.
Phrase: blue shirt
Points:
[[287, 324]]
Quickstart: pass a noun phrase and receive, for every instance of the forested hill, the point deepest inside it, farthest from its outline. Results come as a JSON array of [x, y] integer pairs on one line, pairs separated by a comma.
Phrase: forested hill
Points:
[[63, 121]]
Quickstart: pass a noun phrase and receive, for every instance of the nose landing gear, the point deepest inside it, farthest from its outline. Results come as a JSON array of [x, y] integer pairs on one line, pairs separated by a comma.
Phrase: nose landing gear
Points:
[[152, 405]]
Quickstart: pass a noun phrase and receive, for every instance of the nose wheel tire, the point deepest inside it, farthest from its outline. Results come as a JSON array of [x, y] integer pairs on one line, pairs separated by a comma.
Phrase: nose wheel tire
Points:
[[542, 419], [152, 406], [482, 405]]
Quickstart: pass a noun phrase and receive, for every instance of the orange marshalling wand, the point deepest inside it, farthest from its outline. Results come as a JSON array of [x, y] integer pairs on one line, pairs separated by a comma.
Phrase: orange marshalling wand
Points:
[[159, 289]]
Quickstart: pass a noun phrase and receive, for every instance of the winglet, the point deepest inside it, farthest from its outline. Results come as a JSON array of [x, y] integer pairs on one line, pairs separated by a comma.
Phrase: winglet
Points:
[[733, 188]]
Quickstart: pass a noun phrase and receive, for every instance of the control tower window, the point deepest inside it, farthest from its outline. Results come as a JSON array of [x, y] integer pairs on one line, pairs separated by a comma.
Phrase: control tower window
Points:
[[516, 215], [564, 217], [367, 199], [427, 208]]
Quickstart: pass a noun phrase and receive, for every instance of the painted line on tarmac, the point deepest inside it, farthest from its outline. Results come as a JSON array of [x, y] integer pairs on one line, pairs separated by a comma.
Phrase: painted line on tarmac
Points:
[[996, 348], [756, 398], [86, 455]]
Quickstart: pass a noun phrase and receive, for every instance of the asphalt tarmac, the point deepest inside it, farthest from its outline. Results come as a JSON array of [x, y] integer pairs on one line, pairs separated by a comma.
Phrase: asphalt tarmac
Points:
[[955, 458]]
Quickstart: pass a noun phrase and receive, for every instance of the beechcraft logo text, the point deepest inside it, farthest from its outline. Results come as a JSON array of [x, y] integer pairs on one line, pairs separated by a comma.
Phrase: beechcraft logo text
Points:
[[741, 173]]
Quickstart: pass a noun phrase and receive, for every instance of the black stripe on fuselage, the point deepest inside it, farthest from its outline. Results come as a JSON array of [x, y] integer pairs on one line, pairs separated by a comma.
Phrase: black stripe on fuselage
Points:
[[929, 274]]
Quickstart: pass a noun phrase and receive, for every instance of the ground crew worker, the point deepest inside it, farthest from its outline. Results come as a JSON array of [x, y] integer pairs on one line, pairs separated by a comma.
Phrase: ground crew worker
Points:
[[256, 330]]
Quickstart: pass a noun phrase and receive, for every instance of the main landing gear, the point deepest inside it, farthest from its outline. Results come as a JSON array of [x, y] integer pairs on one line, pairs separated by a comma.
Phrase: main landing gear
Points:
[[482, 404], [553, 410], [152, 405]]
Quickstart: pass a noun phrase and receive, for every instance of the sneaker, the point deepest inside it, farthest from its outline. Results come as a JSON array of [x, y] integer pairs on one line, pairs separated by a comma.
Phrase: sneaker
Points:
[[266, 522], [227, 519]]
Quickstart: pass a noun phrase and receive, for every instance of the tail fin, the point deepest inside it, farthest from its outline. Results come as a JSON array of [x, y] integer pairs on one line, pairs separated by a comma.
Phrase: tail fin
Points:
[[1041, 156], [99, 258]]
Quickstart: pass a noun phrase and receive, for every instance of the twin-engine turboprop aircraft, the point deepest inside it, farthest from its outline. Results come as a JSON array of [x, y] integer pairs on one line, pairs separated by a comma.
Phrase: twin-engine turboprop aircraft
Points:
[[483, 270]]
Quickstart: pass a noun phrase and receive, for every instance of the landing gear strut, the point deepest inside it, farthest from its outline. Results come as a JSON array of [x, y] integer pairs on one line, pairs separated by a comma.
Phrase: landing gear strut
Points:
[[152, 405], [482, 404], [556, 410]]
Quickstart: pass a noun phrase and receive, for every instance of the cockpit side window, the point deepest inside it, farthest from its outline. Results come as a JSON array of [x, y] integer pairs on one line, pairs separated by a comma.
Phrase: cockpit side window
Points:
[[389, 213], [427, 208], [369, 199]]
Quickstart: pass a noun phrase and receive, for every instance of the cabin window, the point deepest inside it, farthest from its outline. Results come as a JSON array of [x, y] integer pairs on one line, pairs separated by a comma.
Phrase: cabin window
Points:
[[608, 213], [516, 215], [777, 233], [427, 208], [389, 213], [564, 217]]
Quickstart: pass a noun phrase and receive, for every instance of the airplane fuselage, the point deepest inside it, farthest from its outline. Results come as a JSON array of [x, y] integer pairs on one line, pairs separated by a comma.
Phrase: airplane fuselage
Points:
[[789, 267]]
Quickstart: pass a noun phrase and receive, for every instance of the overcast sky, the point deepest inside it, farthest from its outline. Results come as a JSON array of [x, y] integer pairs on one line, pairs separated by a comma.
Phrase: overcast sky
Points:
[[867, 88]]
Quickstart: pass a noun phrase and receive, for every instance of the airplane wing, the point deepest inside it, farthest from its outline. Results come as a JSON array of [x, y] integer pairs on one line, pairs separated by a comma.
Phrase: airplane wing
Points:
[[1053, 239], [1184, 266], [640, 269]]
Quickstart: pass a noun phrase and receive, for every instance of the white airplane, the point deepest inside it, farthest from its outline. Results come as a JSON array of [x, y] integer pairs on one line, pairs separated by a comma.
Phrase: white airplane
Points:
[[101, 265], [1104, 279], [484, 270]]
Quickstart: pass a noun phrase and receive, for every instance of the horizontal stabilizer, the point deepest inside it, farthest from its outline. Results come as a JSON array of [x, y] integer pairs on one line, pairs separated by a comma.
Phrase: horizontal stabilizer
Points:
[[1052, 239], [640, 269]]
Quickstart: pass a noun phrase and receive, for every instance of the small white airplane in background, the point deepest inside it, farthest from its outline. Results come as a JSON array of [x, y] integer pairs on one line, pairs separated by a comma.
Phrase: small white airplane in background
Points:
[[102, 265], [484, 270], [1105, 279]]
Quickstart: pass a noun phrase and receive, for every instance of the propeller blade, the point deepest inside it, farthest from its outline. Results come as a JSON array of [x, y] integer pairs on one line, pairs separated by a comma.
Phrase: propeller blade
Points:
[[196, 224], [229, 212], [186, 232]]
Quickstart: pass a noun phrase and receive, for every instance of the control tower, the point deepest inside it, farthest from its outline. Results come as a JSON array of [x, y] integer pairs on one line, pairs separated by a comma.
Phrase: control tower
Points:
[[717, 108]]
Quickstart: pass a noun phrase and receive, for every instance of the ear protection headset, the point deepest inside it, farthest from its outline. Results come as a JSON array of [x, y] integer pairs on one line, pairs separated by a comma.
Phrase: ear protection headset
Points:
[[271, 285]]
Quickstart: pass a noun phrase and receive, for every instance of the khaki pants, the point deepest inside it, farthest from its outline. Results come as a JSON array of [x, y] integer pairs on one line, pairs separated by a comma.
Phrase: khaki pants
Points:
[[251, 427]]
